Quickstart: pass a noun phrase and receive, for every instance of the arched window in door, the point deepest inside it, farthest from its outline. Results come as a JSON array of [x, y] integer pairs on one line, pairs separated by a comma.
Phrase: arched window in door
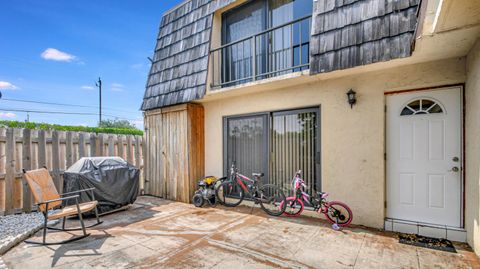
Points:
[[421, 106]]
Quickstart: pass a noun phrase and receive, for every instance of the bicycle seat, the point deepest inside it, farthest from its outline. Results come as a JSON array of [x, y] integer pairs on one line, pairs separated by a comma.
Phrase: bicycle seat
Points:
[[258, 174]]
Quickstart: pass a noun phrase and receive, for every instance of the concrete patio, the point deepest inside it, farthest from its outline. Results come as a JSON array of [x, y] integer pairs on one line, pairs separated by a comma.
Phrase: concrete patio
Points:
[[156, 233]]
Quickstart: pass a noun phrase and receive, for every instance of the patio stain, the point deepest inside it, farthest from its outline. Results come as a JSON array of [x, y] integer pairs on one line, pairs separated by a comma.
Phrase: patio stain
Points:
[[164, 234], [201, 257]]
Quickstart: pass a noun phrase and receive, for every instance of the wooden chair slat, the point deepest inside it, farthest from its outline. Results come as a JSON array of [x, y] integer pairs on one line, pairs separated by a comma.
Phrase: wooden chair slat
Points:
[[72, 210], [42, 187]]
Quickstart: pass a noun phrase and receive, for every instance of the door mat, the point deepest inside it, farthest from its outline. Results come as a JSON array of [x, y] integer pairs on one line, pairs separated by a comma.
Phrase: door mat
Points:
[[426, 242]]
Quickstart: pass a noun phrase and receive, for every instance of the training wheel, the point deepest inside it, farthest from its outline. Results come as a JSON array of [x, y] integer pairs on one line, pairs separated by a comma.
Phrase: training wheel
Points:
[[335, 227]]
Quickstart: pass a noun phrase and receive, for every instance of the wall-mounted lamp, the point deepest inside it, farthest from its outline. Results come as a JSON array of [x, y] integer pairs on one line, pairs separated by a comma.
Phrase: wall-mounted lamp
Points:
[[352, 98]]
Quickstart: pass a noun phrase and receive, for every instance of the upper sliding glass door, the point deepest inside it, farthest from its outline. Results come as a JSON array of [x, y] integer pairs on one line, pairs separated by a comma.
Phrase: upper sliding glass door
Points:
[[238, 24], [289, 45], [284, 11], [244, 21], [264, 38]]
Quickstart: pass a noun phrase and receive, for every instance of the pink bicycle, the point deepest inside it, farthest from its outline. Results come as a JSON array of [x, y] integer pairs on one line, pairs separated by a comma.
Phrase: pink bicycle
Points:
[[338, 213]]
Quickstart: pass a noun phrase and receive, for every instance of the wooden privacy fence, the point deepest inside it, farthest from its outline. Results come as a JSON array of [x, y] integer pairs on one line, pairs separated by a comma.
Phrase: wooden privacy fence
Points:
[[57, 150]]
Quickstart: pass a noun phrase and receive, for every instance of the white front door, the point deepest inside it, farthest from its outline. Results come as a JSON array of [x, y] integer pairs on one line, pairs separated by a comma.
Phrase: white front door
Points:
[[424, 156]]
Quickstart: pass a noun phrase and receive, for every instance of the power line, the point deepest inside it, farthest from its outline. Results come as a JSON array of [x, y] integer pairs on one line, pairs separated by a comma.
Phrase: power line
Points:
[[46, 112], [60, 104], [46, 103], [61, 112]]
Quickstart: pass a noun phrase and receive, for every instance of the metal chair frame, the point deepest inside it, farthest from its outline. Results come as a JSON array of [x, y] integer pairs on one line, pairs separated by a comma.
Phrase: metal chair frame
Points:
[[79, 213]]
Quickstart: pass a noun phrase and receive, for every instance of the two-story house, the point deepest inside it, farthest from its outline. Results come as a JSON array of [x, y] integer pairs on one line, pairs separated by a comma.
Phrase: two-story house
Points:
[[376, 101]]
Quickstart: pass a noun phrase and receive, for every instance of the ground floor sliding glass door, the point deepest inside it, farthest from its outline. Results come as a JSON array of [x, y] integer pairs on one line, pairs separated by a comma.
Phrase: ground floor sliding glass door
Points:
[[276, 143]]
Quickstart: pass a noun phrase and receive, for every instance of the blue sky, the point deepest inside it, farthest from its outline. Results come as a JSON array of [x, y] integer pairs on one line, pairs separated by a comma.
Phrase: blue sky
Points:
[[54, 51]]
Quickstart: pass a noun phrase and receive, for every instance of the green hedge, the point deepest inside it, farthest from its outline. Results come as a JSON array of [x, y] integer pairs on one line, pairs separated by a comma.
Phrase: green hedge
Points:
[[46, 126]]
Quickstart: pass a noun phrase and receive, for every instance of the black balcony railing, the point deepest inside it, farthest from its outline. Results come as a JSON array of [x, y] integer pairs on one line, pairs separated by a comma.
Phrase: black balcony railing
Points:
[[280, 50]]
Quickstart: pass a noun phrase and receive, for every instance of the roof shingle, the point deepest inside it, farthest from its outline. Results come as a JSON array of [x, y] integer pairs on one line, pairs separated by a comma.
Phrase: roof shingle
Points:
[[345, 34]]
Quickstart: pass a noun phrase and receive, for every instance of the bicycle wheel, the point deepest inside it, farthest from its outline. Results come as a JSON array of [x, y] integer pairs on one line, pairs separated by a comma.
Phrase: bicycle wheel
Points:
[[229, 194], [272, 200], [339, 213], [294, 206]]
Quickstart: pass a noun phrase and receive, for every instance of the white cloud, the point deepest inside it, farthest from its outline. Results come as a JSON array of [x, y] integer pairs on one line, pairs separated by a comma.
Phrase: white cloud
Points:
[[137, 66], [5, 85], [87, 88], [7, 115], [56, 55], [117, 87]]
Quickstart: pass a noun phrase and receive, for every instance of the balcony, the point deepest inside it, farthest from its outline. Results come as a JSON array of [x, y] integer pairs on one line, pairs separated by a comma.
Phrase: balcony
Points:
[[276, 51]]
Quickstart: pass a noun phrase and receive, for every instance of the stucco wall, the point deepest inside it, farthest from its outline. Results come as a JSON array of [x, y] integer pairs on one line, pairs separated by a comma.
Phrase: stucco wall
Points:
[[352, 140], [472, 147]]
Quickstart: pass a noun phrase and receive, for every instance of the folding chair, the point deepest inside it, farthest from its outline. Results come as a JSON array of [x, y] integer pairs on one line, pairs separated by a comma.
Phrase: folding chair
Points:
[[47, 197]]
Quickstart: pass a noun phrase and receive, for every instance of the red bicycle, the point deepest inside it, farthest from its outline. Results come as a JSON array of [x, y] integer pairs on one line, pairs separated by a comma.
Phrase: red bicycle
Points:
[[338, 213], [231, 192]]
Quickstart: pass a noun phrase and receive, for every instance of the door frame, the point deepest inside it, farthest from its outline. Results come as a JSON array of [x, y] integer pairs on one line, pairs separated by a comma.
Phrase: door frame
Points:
[[461, 87], [269, 115]]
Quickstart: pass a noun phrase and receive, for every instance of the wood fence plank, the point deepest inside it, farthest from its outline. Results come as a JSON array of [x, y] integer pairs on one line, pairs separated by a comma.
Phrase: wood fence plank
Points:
[[27, 165], [142, 164], [138, 157], [93, 145], [17, 183], [164, 144], [129, 149], [69, 149], [111, 146], [120, 146], [56, 160], [100, 145], [62, 157], [42, 149], [148, 175], [74, 148], [138, 153], [81, 145], [152, 175], [160, 168], [10, 171], [2, 170], [34, 150]]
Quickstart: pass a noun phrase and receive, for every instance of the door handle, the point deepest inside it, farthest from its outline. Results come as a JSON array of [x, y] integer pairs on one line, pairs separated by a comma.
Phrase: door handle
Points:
[[454, 169]]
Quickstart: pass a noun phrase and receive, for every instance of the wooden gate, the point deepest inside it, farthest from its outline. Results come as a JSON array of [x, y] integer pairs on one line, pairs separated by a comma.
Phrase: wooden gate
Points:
[[174, 152]]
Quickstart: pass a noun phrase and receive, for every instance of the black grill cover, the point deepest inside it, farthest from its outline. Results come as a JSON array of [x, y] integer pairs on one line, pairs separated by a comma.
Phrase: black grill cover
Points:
[[115, 181]]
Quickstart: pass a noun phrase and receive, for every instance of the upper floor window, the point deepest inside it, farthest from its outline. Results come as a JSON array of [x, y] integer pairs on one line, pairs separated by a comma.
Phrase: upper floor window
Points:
[[262, 39], [283, 11], [243, 21]]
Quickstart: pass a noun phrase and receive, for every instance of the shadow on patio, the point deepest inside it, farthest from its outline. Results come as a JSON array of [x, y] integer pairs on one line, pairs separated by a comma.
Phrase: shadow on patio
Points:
[[162, 234]]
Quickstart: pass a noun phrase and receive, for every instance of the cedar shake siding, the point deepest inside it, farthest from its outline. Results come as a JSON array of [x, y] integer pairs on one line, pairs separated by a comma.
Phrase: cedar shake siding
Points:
[[345, 34], [349, 33], [179, 70]]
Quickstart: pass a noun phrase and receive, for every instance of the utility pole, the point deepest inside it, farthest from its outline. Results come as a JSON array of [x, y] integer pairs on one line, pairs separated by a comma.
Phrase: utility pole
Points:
[[99, 85]]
